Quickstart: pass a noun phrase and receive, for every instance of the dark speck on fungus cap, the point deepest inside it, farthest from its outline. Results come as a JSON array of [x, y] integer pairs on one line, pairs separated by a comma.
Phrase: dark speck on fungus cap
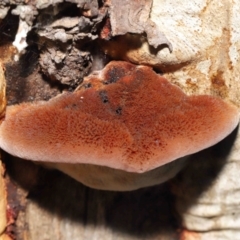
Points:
[[128, 118]]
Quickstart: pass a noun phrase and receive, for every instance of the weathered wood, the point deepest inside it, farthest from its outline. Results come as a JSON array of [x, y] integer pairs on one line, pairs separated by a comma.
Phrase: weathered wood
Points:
[[54, 206]]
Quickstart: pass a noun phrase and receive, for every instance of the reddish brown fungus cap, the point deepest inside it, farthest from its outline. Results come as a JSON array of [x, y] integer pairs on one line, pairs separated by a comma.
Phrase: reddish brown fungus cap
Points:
[[125, 117]]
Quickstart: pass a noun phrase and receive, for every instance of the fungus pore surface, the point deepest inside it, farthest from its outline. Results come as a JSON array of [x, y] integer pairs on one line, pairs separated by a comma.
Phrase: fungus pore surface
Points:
[[124, 117]]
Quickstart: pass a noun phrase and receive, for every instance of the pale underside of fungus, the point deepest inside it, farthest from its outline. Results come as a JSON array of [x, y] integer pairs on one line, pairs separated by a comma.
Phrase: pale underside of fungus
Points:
[[118, 128]]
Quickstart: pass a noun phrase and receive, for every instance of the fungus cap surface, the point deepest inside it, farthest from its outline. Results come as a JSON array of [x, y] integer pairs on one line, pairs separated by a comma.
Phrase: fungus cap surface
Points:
[[124, 117]]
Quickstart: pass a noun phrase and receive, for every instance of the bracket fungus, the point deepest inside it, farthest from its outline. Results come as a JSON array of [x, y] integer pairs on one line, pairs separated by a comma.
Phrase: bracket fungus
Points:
[[121, 129]]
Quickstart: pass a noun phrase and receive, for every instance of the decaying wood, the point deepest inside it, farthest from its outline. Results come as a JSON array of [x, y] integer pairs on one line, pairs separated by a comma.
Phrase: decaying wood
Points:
[[205, 41], [46, 204], [207, 192]]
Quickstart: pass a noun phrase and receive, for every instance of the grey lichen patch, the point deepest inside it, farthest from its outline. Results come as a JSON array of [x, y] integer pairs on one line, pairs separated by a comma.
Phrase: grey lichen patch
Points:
[[70, 28], [68, 66], [63, 37]]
